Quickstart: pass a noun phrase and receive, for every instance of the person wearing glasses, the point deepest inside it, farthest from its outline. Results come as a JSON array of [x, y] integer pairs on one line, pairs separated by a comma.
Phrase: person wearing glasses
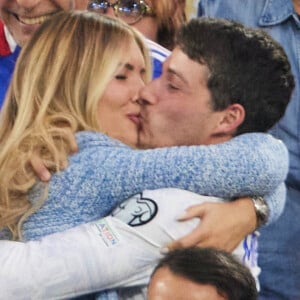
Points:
[[157, 20]]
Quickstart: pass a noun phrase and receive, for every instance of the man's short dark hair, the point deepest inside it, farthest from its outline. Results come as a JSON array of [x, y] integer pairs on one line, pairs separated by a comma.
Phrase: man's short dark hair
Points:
[[246, 66], [214, 267]]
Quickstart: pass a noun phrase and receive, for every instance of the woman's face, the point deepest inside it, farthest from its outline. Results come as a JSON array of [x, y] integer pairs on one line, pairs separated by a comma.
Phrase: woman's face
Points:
[[118, 110]]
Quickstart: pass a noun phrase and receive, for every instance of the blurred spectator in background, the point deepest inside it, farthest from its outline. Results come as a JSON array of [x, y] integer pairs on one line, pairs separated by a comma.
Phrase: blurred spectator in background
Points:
[[157, 20], [18, 21]]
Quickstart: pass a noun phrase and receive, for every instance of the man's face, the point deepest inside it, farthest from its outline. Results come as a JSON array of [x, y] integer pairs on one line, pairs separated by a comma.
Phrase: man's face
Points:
[[176, 107], [166, 285], [23, 17]]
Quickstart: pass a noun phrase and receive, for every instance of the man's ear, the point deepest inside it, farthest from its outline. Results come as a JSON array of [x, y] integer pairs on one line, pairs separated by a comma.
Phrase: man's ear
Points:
[[233, 116]]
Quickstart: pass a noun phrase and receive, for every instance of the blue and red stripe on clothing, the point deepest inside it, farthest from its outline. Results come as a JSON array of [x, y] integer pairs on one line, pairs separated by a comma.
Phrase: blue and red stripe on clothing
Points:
[[7, 62]]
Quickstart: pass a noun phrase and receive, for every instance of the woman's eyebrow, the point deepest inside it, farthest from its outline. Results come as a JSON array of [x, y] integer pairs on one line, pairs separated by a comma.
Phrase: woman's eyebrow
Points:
[[129, 67]]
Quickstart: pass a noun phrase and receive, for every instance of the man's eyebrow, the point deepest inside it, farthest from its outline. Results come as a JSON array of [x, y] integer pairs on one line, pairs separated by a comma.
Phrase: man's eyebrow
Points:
[[170, 70]]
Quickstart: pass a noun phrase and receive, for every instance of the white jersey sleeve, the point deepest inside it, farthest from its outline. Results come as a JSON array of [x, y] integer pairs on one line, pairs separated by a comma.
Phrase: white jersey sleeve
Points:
[[118, 251]]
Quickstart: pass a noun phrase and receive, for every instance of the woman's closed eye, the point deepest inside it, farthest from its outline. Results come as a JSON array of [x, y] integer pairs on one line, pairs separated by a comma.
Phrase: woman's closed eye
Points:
[[121, 77]]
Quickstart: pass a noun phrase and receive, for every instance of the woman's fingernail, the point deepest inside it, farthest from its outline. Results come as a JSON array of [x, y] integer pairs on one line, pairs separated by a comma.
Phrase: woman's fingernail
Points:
[[164, 250], [182, 216], [45, 176]]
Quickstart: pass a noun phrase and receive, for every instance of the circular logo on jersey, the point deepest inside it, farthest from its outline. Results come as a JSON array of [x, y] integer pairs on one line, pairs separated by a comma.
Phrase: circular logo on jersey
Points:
[[136, 211]]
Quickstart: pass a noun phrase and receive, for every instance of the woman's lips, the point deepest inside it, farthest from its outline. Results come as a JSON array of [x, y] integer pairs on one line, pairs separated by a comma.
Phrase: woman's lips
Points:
[[135, 118]]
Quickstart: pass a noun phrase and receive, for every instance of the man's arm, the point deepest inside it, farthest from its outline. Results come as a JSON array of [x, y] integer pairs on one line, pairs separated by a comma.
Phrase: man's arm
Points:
[[238, 218]]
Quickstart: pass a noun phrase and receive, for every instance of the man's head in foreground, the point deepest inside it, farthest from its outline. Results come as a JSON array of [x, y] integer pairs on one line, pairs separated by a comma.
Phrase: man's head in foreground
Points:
[[201, 273], [221, 80]]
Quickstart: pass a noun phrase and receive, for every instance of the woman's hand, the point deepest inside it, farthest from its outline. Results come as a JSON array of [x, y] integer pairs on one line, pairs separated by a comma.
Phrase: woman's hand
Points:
[[40, 169], [223, 225], [39, 165]]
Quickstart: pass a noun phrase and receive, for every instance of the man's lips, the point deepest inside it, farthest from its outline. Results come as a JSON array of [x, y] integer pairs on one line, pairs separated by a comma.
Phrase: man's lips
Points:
[[34, 20]]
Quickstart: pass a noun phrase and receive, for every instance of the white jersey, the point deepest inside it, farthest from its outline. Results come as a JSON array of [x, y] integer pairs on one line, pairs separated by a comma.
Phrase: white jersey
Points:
[[153, 215], [115, 252], [158, 52]]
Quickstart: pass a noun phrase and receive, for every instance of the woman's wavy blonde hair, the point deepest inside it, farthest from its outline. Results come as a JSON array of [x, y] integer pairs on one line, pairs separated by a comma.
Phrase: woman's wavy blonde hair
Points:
[[59, 78]]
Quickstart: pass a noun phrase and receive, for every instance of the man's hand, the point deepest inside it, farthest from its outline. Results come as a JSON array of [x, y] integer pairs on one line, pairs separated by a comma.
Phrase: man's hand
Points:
[[223, 225]]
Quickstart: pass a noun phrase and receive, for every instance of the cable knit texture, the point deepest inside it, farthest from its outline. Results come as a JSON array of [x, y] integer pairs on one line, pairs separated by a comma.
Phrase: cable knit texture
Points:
[[105, 172]]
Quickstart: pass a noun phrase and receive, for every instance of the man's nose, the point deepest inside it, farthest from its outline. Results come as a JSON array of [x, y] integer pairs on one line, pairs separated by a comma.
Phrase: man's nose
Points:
[[147, 94]]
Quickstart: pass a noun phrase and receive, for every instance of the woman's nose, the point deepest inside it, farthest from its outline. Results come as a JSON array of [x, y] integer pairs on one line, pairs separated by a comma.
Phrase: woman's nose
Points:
[[139, 85]]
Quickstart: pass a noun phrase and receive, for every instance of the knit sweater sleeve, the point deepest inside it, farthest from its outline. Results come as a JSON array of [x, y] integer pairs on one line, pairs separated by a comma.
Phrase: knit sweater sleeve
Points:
[[250, 164]]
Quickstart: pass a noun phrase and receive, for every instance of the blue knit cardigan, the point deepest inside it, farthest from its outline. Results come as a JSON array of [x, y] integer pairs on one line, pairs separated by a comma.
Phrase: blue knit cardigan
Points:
[[105, 172]]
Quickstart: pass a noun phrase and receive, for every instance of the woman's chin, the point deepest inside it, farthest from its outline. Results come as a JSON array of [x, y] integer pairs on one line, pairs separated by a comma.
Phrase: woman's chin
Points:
[[130, 140]]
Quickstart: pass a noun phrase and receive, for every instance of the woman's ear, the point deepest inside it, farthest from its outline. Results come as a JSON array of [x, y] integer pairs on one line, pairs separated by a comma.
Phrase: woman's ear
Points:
[[233, 117]]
